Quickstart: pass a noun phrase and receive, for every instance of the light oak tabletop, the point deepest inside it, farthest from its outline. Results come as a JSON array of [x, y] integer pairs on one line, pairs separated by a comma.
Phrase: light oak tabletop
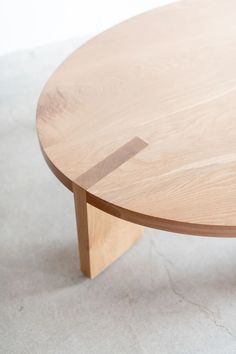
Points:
[[143, 117]]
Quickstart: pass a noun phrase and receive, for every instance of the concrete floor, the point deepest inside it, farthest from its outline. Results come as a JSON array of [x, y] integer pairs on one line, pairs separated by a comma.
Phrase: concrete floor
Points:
[[169, 294]]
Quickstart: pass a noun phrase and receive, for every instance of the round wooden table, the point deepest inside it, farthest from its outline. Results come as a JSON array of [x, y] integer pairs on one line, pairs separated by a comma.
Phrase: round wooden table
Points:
[[140, 123]]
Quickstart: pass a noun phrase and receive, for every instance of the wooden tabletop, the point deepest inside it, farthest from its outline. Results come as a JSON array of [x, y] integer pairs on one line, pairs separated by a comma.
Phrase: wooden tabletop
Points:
[[143, 117]]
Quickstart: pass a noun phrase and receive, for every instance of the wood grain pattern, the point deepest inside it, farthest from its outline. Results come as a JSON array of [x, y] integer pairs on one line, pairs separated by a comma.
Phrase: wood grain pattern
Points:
[[168, 77], [110, 163], [102, 237]]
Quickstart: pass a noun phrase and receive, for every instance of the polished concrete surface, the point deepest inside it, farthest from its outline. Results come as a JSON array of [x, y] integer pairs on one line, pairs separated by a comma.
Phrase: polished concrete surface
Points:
[[169, 294]]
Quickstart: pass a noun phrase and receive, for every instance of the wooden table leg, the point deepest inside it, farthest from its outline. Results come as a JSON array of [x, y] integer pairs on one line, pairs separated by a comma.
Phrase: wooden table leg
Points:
[[102, 237]]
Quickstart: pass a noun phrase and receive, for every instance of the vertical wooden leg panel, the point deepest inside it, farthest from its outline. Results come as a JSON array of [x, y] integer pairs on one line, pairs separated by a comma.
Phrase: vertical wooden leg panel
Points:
[[102, 237]]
